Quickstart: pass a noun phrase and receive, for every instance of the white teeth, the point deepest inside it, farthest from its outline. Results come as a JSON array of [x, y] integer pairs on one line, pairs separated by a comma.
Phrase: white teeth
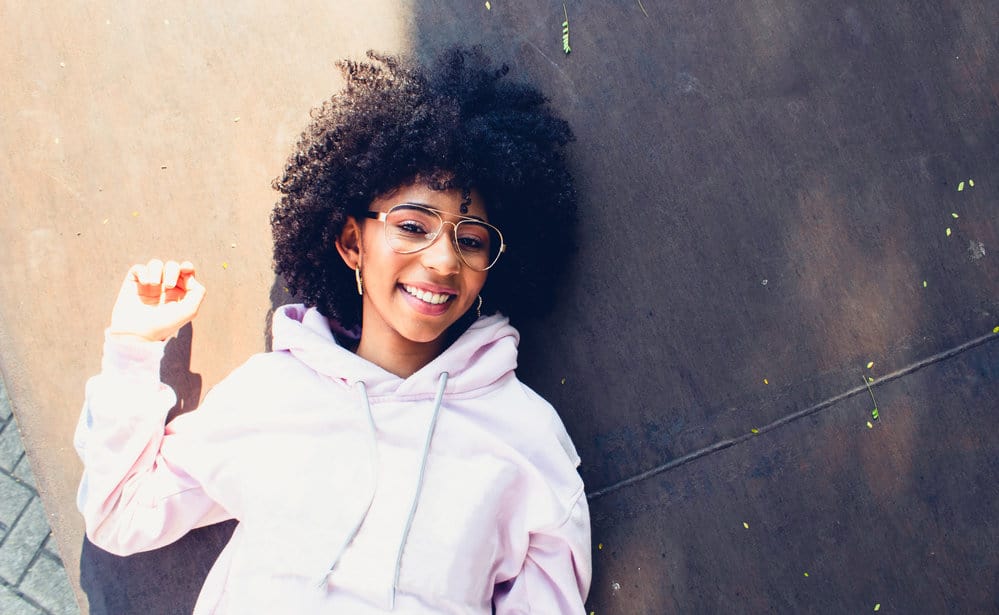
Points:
[[427, 296]]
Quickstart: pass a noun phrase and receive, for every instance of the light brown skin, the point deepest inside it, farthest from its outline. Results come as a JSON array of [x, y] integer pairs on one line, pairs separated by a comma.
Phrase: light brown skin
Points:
[[399, 333], [156, 300], [395, 334]]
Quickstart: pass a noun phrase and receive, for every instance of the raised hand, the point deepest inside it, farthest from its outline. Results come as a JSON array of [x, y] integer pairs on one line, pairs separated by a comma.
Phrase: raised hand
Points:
[[156, 300]]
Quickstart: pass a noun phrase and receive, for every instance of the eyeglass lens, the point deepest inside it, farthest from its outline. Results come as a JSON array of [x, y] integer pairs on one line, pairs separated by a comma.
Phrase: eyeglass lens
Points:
[[410, 228]]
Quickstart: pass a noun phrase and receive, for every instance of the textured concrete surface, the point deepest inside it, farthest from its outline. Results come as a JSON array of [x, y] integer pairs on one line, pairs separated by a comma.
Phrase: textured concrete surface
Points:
[[770, 202], [32, 577], [839, 515]]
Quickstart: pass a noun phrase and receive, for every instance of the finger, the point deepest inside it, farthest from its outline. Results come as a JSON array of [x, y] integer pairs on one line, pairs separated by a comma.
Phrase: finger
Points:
[[171, 271], [130, 285], [153, 274], [186, 271], [194, 296], [134, 275]]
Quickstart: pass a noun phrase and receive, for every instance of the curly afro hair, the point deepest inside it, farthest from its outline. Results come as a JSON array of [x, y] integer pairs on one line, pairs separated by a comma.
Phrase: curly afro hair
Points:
[[456, 124]]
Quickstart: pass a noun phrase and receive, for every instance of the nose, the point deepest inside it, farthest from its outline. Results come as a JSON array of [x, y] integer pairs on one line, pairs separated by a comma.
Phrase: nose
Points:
[[442, 255]]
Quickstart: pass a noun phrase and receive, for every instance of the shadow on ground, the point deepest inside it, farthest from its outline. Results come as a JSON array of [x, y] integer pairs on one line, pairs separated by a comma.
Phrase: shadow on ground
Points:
[[770, 203]]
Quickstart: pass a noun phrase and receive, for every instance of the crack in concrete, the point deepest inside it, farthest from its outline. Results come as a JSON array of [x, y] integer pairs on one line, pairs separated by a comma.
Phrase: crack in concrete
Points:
[[726, 443]]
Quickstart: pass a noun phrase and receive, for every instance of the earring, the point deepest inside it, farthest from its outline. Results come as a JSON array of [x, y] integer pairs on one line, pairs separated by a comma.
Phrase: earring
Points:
[[478, 308], [357, 276]]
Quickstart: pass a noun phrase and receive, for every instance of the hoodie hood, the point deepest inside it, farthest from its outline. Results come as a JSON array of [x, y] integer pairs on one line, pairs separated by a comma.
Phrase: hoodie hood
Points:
[[484, 354]]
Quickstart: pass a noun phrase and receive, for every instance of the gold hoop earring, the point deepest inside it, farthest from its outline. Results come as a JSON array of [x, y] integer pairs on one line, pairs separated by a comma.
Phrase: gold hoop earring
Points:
[[357, 276], [478, 308]]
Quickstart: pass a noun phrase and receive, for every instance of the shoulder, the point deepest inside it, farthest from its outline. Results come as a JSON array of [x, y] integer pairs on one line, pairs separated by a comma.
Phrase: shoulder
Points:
[[265, 369], [531, 426], [544, 420], [251, 387]]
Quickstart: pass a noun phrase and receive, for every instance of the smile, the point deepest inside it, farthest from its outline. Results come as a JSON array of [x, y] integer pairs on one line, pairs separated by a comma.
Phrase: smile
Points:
[[428, 297]]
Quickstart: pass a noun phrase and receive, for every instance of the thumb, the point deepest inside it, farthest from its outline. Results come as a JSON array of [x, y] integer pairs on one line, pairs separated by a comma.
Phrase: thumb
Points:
[[194, 295], [131, 281]]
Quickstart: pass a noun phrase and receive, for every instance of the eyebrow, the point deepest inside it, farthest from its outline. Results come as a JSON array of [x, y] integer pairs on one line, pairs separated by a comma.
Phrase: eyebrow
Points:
[[467, 216]]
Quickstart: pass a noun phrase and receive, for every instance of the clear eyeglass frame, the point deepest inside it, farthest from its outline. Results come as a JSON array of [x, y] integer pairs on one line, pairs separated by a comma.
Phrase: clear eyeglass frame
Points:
[[432, 236]]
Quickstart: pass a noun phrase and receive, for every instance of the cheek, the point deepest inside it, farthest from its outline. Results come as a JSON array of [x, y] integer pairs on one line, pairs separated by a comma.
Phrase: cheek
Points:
[[477, 283], [378, 260]]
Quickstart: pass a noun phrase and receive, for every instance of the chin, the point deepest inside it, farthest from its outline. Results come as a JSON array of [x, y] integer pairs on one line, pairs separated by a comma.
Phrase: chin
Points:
[[425, 336]]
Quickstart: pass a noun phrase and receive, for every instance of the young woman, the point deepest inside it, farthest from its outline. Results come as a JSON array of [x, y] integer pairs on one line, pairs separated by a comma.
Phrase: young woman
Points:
[[384, 456]]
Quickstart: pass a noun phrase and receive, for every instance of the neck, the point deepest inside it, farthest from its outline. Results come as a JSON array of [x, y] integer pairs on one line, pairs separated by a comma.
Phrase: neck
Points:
[[395, 354]]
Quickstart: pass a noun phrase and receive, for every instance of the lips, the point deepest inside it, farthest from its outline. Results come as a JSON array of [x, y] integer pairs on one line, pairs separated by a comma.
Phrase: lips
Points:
[[427, 296]]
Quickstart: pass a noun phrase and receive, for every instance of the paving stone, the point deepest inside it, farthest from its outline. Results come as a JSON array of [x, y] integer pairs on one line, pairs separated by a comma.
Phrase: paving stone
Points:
[[5, 410], [23, 541], [23, 473], [50, 547], [11, 450], [12, 604], [47, 584], [13, 498]]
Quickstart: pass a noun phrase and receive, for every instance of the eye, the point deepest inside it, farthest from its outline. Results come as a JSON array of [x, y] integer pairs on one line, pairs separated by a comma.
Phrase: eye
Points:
[[473, 237], [471, 244], [411, 227], [411, 222]]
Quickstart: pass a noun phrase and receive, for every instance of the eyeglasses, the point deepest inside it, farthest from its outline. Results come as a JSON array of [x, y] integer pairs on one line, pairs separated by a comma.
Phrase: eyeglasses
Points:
[[410, 228]]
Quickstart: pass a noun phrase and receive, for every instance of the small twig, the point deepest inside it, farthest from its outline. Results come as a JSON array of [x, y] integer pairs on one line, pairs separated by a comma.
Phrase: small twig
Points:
[[565, 31], [643, 8]]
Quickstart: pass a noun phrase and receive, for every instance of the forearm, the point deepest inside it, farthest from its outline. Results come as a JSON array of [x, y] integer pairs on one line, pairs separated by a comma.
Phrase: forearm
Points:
[[133, 499]]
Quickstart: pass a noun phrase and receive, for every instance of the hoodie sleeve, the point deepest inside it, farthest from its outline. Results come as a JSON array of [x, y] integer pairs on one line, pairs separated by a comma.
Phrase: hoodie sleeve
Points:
[[131, 497], [556, 574]]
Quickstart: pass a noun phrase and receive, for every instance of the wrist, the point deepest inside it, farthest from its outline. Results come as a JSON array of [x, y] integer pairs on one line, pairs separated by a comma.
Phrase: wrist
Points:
[[131, 353]]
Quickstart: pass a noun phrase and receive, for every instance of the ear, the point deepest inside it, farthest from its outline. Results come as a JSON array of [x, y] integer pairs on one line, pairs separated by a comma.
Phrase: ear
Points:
[[348, 244]]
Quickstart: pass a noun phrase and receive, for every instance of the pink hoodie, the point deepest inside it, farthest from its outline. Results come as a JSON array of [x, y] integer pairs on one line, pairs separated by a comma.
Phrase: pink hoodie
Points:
[[357, 491]]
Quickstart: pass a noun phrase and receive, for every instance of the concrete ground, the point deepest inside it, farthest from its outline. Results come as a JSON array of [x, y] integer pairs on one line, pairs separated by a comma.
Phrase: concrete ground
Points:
[[776, 202], [32, 577]]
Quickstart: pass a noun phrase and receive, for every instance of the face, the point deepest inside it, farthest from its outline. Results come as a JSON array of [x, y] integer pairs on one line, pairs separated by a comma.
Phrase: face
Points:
[[412, 298]]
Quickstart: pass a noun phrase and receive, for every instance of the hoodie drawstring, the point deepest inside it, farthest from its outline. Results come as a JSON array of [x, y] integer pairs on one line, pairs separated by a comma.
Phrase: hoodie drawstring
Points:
[[373, 457], [373, 461], [441, 384]]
